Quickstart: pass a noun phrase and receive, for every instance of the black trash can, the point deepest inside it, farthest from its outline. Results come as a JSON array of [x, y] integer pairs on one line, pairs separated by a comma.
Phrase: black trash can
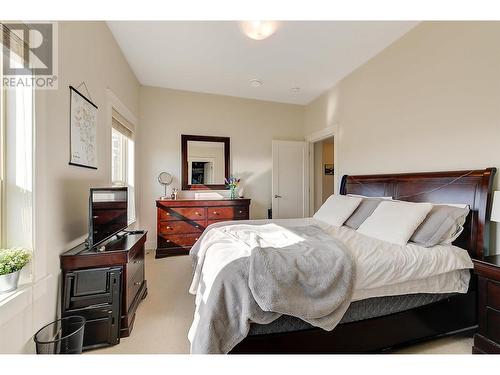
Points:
[[64, 336]]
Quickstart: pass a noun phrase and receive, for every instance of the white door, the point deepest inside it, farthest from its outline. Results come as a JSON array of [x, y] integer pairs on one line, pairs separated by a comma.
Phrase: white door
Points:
[[290, 193], [208, 172]]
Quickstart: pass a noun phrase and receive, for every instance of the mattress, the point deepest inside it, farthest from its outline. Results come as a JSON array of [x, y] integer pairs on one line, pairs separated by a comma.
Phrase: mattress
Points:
[[358, 310]]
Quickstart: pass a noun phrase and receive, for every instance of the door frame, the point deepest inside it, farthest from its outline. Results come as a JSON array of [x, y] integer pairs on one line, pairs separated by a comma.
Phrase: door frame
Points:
[[307, 174], [330, 131]]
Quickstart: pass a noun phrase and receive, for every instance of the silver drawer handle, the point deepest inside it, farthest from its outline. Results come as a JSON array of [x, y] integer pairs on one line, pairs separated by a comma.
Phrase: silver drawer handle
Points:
[[137, 283], [215, 213], [240, 212], [277, 196], [196, 239], [169, 227], [168, 213], [197, 213], [167, 240]]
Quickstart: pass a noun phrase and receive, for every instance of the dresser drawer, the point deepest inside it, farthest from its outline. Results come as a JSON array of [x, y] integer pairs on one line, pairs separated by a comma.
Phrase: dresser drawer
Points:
[[135, 264], [186, 213], [180, 227], [493, 295], [134, 283], [238, 212], [178, 240]]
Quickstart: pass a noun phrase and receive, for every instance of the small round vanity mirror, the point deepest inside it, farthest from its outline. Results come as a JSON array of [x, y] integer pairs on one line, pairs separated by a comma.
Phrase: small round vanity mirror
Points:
[[165, 179]]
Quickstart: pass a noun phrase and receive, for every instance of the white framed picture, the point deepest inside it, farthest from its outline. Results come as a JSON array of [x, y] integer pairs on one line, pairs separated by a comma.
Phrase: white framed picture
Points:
[[83, 123]]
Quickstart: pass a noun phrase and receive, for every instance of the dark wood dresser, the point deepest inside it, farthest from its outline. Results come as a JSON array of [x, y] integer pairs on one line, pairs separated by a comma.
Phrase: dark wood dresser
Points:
[[487, 340], [105, 287], [180, 222]]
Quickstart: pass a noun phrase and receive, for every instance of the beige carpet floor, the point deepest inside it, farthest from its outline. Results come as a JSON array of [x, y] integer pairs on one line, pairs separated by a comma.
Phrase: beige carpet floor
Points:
[[163, 318]]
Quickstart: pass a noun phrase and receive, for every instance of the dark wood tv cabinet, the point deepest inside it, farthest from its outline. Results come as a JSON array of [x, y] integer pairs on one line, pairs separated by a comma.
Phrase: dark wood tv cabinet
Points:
[[105, 287]]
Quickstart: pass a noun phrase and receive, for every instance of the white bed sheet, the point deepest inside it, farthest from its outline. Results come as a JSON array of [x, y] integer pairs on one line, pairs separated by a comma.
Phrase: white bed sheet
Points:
[[382, 268], [450, 282]]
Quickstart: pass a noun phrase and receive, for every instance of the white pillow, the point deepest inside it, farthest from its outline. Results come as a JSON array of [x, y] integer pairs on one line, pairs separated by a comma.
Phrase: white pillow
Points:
[[394, 221], [366, 196], [337, 209]]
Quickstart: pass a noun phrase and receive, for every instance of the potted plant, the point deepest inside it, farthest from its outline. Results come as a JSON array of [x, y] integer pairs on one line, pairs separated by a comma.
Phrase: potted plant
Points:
[[11, 263]]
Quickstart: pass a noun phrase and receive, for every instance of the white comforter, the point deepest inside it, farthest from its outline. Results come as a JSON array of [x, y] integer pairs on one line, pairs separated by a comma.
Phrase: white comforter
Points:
[[382, 268]]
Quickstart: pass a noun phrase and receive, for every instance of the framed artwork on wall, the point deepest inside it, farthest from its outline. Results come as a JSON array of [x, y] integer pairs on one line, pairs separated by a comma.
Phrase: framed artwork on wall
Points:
[[329, 170], [83, 123]]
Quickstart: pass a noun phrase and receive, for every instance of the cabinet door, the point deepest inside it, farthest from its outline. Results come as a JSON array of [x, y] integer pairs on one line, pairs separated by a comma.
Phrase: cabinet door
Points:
[[101, 328], [101, 310], [89, 287]]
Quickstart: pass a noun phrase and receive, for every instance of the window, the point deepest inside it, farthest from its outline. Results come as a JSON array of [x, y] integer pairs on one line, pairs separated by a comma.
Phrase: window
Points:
[[122, 159], [2, 157], [16, 157], [16, 163]]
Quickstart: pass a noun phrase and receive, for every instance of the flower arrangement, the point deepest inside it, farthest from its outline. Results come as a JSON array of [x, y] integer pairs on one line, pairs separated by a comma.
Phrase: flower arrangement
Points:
[[233, 183], [13, 260]]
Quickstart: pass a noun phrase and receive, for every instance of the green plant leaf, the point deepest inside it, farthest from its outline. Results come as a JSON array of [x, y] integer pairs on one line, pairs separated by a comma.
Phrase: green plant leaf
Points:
[[12, 260]]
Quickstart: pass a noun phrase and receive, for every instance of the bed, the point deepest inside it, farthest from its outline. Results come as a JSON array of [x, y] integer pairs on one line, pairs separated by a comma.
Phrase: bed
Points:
[[380, 321]]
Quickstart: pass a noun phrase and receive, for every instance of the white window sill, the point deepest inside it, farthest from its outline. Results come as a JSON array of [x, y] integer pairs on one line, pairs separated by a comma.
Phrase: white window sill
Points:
[[14, 303], [17, 301], [5, 298]]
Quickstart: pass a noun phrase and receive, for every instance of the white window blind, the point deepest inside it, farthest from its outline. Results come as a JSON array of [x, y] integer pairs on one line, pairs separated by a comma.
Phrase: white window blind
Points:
[[122, 159]]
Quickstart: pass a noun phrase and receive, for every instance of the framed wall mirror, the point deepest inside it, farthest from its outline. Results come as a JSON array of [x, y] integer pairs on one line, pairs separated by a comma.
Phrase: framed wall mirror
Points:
[[205, 162]]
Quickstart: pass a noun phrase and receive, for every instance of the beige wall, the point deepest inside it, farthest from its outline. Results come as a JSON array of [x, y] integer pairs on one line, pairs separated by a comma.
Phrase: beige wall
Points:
[[428, 102], [251, 124], [87, 52]]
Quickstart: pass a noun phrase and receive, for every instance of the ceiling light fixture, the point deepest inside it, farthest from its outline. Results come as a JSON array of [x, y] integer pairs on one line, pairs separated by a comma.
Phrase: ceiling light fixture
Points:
[[256, 83], [259, 30]]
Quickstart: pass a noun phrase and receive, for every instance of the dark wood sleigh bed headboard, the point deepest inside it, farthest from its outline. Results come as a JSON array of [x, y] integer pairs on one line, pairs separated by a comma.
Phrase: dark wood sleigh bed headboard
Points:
[[472, 187]]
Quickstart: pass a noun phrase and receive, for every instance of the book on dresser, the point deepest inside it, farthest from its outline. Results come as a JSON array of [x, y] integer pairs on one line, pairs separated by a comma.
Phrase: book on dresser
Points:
[[180, 222]]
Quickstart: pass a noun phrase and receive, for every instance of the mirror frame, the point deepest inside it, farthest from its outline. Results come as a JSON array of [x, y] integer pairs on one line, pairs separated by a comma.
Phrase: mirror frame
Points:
[[185, 167]]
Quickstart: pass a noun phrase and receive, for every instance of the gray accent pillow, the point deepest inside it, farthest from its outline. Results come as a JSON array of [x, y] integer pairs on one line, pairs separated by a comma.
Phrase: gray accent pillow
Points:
[[364, 210], [441, 223]]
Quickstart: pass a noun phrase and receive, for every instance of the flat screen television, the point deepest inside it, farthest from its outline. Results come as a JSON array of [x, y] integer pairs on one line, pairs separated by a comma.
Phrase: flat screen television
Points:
[[107, 213]]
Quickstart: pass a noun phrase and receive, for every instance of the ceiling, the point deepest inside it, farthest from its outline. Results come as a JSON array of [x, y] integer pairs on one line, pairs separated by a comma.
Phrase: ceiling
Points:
[[216, 57]]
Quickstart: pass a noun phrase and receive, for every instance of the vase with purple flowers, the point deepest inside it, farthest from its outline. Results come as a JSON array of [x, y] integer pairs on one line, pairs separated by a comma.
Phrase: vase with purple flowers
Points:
[[232, 183]]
